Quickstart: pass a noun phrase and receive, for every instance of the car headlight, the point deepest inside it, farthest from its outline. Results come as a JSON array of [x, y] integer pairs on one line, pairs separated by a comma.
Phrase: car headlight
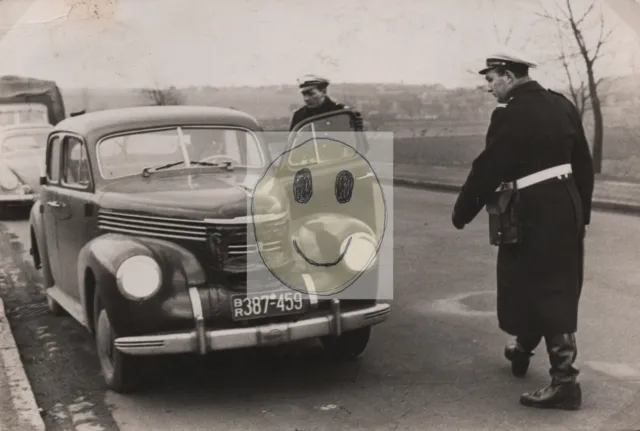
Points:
[[139, 277], [8, 180], [360, 253]]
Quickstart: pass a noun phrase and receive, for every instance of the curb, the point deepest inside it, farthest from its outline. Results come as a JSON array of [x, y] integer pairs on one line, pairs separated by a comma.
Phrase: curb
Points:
[[24, 403], [600, 204]]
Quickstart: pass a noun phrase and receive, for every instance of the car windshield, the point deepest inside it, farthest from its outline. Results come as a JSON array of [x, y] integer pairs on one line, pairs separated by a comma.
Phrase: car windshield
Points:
[[27, 142], [130, 154]]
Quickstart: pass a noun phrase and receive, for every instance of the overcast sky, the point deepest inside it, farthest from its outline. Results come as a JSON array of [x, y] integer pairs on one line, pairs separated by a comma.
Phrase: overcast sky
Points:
[[258, 42]]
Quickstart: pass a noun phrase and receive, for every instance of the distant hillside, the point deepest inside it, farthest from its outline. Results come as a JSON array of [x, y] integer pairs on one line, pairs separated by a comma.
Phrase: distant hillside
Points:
[[432, 124], [426, 109]]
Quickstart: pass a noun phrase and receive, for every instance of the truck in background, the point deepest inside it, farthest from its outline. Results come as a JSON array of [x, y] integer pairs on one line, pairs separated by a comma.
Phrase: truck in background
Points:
[[30, 100]]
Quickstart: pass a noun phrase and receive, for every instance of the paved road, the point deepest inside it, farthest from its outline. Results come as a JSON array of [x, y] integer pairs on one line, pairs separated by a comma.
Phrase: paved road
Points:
[[435, 365]]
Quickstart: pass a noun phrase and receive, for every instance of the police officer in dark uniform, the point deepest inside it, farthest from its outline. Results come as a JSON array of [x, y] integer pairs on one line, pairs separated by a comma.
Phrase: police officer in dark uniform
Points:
[[314, 92], [537, 140]]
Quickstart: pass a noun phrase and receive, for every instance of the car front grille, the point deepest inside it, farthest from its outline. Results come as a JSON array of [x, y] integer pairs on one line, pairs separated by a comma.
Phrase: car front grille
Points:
[[152, 226], [223, 247], [238, 249]]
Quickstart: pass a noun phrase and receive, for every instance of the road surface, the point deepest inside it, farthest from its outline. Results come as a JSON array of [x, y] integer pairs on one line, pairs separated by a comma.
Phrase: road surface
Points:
[[436, 364]]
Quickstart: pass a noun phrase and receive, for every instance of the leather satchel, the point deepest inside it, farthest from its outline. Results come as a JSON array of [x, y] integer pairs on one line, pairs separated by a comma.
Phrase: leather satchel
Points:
[[504, 217]]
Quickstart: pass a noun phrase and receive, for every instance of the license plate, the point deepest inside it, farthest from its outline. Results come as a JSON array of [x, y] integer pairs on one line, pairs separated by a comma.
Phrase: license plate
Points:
[[268, 304]]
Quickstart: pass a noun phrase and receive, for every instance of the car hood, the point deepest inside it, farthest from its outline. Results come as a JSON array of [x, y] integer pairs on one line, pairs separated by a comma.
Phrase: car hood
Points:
[[196, 195], [27, 166]]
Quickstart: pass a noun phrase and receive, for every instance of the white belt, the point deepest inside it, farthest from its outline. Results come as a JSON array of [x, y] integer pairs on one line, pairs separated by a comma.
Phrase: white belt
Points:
[[561, 171]]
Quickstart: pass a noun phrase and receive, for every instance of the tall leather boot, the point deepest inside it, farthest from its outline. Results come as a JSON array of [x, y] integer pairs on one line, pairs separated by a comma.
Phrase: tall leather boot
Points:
[[520, 353], [564, 391]]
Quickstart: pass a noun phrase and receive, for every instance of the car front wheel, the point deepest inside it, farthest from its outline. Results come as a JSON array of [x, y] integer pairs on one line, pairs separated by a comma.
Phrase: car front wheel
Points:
[[119, 370], [348, 345]]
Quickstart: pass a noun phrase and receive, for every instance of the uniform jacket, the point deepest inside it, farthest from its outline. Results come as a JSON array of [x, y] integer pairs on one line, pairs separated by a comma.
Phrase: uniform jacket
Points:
[[540, 279], [306, 112]]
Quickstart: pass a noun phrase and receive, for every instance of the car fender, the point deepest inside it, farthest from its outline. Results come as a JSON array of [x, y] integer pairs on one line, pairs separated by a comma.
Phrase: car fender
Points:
[[104, 254], [38, 247]]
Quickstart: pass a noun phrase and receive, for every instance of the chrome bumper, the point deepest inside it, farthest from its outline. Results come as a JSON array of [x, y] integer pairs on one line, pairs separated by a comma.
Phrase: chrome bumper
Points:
[[202, 341]]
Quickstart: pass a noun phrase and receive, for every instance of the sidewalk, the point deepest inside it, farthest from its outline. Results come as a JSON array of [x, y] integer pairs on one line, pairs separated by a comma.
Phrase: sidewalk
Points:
[[18, 408], [611, 195]]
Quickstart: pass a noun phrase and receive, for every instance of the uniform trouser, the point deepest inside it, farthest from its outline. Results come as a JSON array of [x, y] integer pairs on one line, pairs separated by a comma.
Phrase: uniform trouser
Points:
[[562, 351]]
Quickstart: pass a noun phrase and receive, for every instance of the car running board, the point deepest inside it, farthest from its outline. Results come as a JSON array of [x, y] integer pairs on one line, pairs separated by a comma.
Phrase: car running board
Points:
[[70, 305]]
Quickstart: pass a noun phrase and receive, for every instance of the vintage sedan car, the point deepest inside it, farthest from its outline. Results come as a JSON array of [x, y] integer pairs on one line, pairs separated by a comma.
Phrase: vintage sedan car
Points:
[[140, 231], [22, 150]]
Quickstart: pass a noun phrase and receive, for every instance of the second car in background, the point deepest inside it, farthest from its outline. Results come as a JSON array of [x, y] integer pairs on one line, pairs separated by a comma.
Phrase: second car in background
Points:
[[21, 163]]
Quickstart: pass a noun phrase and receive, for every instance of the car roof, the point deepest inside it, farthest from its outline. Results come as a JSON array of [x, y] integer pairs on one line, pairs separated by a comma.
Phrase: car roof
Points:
[[100, 123]]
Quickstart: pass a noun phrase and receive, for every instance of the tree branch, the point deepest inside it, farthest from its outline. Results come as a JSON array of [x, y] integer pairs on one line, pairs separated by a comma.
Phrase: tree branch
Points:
[[565, 65], [568, 14], [497, 30], [549, 17], [546, 14], [589, 9], [577, 33], [585, 96], [508, 38], [602, 39], [495, 24]]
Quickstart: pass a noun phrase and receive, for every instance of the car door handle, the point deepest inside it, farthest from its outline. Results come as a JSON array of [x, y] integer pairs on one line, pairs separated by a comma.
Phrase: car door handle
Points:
[[55, 204]]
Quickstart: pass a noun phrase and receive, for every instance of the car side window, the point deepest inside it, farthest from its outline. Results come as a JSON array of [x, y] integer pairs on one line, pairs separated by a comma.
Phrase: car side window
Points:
[[76, 165], [53, 160]]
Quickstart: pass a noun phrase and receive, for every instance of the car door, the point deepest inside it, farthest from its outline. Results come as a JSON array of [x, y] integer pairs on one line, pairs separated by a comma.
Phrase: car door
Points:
[[51, 204], [75, 196], [318, 145]]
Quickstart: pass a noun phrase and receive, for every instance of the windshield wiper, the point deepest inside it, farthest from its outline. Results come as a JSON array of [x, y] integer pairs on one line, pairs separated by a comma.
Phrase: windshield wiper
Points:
[[149, 170]]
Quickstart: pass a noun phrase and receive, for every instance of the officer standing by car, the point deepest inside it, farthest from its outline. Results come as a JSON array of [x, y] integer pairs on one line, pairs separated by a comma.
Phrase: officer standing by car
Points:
[[537, 138], [314, 93]]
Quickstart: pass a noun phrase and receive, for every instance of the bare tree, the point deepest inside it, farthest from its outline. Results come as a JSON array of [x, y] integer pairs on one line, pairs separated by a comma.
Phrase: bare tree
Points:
[[584, 92], [163, 96]]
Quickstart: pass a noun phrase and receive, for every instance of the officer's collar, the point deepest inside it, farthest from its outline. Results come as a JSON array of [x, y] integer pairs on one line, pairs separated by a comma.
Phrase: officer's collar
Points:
[[326, 101], [527, 87]]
